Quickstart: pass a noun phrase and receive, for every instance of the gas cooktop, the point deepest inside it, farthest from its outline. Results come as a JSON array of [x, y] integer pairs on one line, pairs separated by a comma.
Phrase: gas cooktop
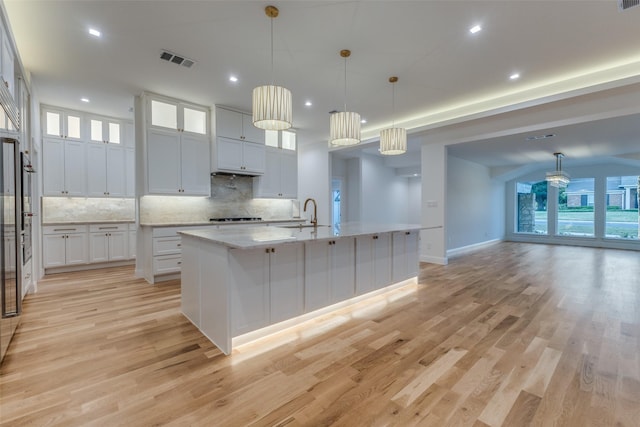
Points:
[[236, 219]]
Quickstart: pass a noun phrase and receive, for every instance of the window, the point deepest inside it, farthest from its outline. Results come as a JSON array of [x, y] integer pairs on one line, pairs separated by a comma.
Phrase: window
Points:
[[271, 138], [164, 115], [96, 130], [114, 133], [288, 140], [575, 208], [195, 121], [73, 126], [53, 124], [532, 207], [622, 220]]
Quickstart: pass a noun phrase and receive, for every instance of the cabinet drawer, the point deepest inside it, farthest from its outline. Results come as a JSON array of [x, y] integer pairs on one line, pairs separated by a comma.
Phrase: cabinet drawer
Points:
[[64, 229], [164, 264], [167, 245], [165, 232], [99, 228]]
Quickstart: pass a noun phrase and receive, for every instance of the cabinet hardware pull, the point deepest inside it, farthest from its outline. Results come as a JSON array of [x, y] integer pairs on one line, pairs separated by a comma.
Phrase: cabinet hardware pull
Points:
[[273, 250], [108, 228], [407, 233], [179, 262], [64, 229], [267, 250], [179, 244]]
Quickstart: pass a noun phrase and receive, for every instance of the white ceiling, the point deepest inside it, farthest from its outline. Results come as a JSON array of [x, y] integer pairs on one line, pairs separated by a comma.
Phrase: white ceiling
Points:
[[440, 65]]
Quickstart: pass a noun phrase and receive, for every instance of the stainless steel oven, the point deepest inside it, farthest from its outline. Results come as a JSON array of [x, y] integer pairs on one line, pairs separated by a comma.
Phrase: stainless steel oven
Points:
[[27, 212]]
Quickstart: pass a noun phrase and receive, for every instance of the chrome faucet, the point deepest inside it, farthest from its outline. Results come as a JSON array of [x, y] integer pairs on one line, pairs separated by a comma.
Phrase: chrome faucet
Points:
[[314, 218]]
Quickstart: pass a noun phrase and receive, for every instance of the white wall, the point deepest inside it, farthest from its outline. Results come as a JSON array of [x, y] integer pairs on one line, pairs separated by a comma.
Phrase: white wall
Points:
[[475, 204], [353, 194], [384, 195], [414, 209], [314, 178]]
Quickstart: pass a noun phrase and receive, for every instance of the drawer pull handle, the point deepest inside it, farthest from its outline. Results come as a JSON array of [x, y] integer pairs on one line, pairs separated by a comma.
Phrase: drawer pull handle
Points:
[[179, 262], [179, 244], [64, 229], [107, 228]]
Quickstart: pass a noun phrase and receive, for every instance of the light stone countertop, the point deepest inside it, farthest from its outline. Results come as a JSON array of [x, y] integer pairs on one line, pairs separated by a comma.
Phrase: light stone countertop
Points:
[[263, 236], [245, 223], [88, 222]]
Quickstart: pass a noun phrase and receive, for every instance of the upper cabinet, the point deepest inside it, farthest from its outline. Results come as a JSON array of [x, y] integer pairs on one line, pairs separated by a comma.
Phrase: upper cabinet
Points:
[[178, 147], [280, 178], [237, 125], [84, 154], [8, 66], [240, 146]]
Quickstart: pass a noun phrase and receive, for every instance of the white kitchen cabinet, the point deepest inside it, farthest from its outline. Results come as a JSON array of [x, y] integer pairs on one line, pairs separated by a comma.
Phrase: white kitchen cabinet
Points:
[[269, 286], [65, 245], [106, 166], [108, 242], [8, 71], [240, 157], [64, 168], [237, 125], [63, 124], [329, 272], [405, 255], [129, 135], [178, 164], [280, 178], [373, 262]]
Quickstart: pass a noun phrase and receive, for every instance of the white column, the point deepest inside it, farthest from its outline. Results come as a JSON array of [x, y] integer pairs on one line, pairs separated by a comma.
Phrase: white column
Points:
[[314, 179], [433, 246]]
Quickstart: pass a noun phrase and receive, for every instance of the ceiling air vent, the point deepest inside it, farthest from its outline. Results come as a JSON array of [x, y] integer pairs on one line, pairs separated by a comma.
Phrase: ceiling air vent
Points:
[[176, 59], [626, 4]]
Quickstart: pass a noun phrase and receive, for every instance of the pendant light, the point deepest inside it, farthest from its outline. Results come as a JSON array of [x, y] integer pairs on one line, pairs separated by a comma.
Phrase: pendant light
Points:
[[558, 178], [344, 126], [271, 103], [393, 140]]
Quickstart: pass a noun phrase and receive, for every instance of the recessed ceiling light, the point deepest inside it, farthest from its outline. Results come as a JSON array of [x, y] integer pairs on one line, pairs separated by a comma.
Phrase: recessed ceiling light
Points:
[[84, 99], [363, 121], [514, 76], [308, 103], [94, 32], [233, 79], [475, 29]]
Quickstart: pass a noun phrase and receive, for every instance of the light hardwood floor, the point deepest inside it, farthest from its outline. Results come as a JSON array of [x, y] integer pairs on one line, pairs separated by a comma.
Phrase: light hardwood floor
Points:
[[513, 335]]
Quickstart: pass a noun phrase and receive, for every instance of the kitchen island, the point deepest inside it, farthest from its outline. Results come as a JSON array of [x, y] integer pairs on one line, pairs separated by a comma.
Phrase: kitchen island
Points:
[[244, 283]]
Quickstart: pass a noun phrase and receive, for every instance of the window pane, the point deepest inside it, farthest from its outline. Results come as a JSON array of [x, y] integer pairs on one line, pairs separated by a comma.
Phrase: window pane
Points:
[[195, 121], [288, 140], [114, 133], [53, 124], [575, 208], [622, 220], [271, 138], [73, 127], [163, 114], [96, 130], [532, 207]]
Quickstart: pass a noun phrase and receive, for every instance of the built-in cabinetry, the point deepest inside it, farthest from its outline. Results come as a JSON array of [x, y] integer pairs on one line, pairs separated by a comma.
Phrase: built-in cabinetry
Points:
[[229, 292], [7, 67], [269, 286], [65, 245], [64, 171], [280, 179], [68, 245], [177, 139], [405, 254], [86, 155], [373, 262], [108, 242], [240, 146], [329, 272]]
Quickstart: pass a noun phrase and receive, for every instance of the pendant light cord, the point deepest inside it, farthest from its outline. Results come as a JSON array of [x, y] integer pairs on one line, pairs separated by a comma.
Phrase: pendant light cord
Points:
[[393, 105], [271, 51], [345, 84]]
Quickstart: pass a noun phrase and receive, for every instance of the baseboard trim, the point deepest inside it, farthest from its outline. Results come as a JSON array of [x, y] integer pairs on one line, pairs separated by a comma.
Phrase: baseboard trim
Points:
[[471, 248], [434, 259]]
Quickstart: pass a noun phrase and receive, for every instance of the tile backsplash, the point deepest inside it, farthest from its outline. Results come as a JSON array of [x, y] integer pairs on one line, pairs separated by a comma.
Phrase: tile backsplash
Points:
[[82, 209]]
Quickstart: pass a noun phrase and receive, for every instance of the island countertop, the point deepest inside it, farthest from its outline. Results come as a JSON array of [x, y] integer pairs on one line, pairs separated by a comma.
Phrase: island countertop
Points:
[[263, 236]]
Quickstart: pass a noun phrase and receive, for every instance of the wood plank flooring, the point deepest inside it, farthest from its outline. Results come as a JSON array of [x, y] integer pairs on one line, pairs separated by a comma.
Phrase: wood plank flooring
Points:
[[513, 335]]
